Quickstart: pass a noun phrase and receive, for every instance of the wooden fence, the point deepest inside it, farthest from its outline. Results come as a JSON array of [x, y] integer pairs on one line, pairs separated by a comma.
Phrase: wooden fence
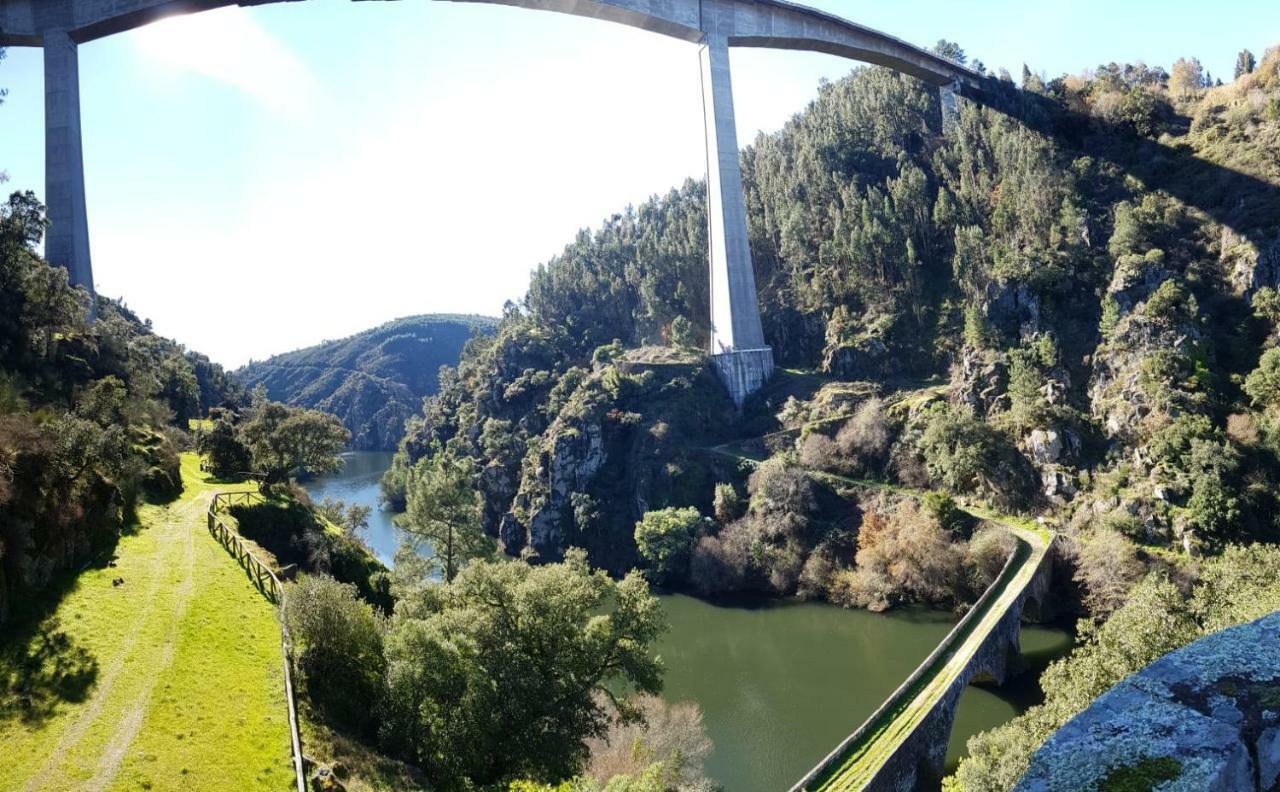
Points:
[[266, 580]]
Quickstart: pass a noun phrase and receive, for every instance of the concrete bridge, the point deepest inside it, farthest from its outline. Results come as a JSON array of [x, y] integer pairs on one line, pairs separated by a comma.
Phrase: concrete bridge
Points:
[[738, 348]]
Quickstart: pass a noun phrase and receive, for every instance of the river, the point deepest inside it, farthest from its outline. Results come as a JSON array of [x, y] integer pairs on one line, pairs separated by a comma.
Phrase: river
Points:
[[779, 684]]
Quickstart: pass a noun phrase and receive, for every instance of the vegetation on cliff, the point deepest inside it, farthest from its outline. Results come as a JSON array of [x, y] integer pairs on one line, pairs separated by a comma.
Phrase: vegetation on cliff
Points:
[[1065, 305], [92, 413], [372, 381]]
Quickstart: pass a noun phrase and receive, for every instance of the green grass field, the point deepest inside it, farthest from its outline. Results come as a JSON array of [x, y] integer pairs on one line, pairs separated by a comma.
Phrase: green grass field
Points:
[[172, 680]]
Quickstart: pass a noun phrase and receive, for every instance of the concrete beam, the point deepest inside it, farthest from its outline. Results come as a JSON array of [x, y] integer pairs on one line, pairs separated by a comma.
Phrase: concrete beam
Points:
[[67, 240]]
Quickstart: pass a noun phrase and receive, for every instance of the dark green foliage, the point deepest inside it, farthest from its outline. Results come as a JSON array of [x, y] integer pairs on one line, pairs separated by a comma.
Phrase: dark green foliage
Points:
[[504, 672], [221, 446], [965, 454], [664, 539], [339, 637], [373, 380], [91, 414], [291, 532], [288, 441]]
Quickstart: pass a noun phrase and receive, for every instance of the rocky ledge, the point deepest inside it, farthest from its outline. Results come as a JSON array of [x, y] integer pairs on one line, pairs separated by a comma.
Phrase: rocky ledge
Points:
[[1206, 717]]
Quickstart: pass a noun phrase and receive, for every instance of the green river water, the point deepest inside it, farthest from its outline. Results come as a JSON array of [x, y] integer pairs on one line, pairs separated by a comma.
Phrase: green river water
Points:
[[780, 683]]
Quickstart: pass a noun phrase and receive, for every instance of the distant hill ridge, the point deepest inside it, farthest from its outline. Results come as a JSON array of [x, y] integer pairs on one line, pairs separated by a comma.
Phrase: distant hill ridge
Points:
[[372, 380]]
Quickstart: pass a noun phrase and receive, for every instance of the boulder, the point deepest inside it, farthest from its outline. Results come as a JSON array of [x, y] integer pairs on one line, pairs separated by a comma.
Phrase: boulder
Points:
[[1205, 717]]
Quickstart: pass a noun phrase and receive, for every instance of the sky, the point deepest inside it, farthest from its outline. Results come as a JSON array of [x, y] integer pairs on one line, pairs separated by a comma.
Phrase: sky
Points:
[[263, 179]]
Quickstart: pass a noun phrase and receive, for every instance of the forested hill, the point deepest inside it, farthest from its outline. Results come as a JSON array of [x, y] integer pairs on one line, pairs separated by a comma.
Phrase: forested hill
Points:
[[372, 380]]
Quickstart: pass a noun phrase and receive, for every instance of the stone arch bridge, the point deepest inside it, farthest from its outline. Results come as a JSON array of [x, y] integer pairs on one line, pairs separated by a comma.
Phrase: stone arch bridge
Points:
[[738, 348]]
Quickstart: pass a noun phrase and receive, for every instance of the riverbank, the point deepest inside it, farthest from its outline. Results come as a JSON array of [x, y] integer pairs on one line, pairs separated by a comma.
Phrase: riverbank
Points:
[[779, 682]]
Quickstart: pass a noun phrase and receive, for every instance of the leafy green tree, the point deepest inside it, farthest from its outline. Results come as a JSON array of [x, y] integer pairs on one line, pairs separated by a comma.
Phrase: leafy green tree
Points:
[[950, 50], [286, 441], [727, 503], [443, 508], [1263, 383], [221, 446], [664, 538], [340, 656], [504, 672]]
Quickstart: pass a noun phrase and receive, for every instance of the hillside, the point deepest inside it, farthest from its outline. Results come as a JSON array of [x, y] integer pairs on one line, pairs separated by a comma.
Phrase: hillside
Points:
[[372, 380], [1064, 305]]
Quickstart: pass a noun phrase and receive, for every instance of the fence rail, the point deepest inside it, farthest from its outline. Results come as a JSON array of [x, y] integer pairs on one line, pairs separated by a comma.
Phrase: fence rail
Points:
[[267, 582]]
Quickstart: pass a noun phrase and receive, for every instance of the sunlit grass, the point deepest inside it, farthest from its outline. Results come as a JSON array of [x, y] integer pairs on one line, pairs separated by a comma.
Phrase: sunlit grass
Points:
[[186, 690]]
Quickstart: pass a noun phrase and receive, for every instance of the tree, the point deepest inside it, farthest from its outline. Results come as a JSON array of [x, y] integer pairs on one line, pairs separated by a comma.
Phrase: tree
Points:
[[1263, 383], [443, 508], [504, 672], [1187, 77], [664, 538], [340, 654], [285, 441], [221, 446], [950, 50], [1245, 63]]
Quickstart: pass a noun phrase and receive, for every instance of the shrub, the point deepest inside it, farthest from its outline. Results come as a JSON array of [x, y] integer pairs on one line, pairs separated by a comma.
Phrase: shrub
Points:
[[908, 557], [1107, 566], [670, 735], [988, 551], [340, 649], [664, 538], [865, 437], [818, 451], [727, 503], [966, 455]]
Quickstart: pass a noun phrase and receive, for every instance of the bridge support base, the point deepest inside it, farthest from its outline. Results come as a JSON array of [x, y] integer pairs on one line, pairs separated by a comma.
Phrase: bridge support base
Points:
[[67, 241], [743, 371]]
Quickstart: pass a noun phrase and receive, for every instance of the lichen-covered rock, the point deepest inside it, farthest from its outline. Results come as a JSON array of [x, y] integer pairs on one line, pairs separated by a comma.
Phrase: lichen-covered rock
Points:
[[1210, 712]]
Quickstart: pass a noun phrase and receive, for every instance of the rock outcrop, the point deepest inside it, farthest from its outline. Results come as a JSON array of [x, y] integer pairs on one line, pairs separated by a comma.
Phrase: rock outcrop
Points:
[[1205, 717]]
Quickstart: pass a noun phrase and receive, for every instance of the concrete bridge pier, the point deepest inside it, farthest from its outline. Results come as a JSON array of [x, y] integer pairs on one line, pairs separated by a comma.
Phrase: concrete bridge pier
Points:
[[737, 350], [948, 99], [67, 240]]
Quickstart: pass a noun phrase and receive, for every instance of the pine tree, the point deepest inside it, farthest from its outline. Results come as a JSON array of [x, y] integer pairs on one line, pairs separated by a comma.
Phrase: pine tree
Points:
[[1245, 63]]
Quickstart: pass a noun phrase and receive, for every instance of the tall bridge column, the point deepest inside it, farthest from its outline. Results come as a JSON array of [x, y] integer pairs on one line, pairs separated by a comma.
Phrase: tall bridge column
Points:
[[948, 100], [67, 241], [738, 350]]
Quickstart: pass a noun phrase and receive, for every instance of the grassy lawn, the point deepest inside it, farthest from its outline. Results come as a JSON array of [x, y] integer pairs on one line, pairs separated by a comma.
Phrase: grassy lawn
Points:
[[172, 680]]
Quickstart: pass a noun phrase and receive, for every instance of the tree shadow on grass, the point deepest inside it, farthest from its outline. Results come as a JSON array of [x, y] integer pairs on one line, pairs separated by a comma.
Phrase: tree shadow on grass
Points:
[[42, 666]]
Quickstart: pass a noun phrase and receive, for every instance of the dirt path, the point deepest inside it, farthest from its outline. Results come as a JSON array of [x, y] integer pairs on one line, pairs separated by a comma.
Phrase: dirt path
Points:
[[177, 527], [122, 738]]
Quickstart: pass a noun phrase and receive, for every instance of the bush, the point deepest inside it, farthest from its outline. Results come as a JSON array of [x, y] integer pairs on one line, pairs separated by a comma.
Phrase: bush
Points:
[[727, 503], [664, 538], [819, 452], [966, 455], [988, 551], [1107, 566], [907, 557], [865, 437], [670, 735], [290, 532], [339, 639]]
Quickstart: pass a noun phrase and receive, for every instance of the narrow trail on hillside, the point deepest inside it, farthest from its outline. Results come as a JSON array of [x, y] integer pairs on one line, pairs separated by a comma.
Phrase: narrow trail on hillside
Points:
[[175, 525]]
